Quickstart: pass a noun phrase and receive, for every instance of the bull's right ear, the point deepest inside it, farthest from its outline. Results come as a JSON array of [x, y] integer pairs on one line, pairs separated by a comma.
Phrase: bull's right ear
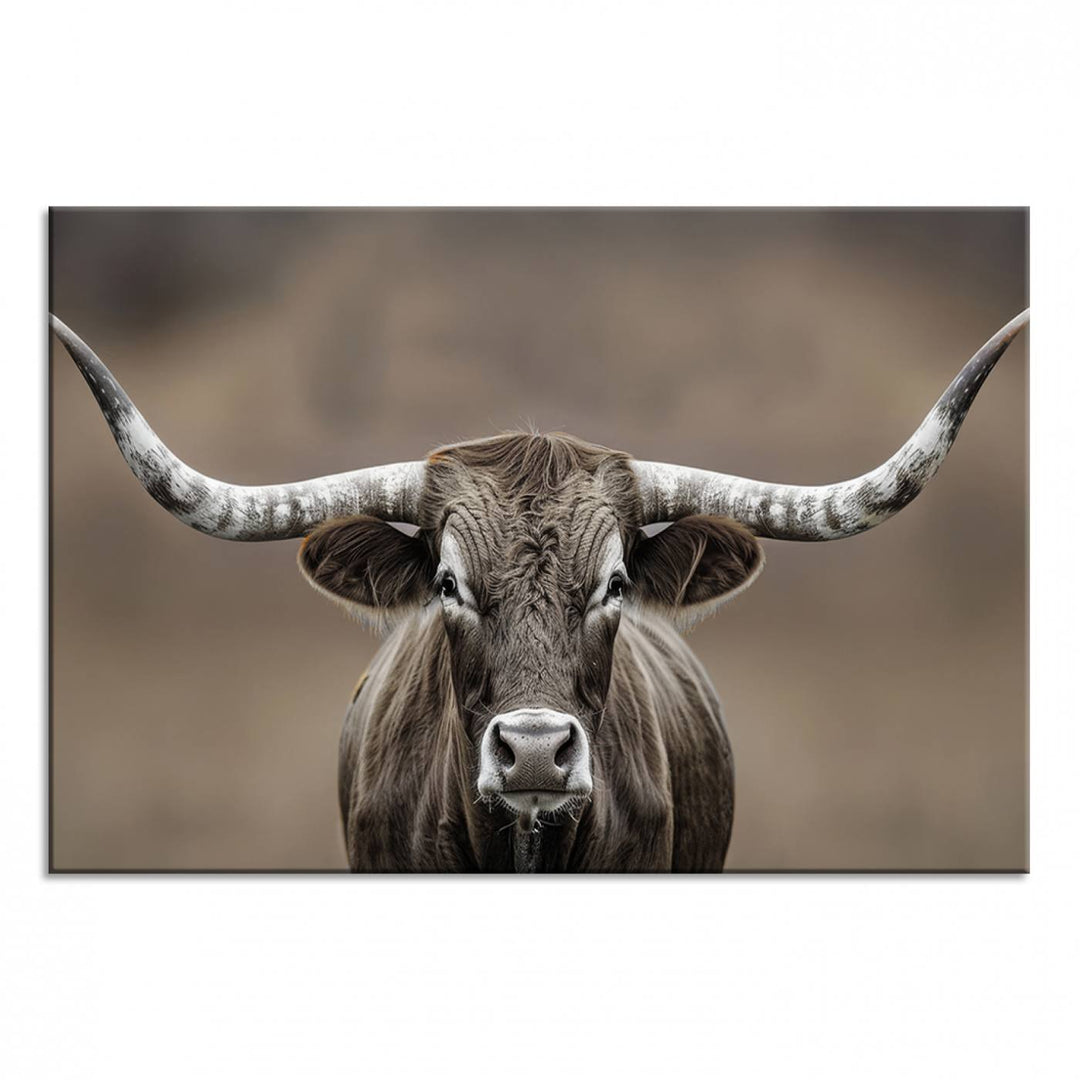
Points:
[[368, 566]]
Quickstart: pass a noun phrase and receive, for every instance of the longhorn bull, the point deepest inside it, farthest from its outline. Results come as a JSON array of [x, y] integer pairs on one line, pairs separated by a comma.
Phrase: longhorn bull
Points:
[[533, 706]]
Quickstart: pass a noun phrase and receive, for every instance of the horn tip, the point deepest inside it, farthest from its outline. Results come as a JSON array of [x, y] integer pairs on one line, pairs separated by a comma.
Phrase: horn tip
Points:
[[61, 329], [1018, 323]]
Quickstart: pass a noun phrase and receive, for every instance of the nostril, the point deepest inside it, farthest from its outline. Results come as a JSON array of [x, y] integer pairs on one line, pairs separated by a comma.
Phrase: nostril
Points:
[[504, 752], [566, 752]]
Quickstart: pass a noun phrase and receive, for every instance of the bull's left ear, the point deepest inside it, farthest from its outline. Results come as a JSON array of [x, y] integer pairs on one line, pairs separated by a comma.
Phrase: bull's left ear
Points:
[[694, 565], [368, 566]]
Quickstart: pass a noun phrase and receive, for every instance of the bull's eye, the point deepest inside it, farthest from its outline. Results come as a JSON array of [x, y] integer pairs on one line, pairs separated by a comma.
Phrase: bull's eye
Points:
[[615, 588], [448, 586]]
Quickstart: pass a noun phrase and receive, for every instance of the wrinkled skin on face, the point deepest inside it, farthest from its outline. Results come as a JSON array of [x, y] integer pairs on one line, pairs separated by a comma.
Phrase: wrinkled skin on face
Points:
[[531, 606], [531, 599], [527, 604]]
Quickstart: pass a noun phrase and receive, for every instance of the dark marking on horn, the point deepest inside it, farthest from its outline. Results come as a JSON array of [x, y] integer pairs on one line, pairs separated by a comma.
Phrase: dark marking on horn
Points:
[[832, 518]]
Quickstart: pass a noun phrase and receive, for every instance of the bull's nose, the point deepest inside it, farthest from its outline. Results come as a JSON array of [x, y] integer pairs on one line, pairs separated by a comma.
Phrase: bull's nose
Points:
[[531, 754], [535, 751]]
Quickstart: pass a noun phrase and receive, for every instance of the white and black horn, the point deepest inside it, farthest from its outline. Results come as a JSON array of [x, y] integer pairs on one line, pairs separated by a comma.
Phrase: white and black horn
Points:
[[831, 511], [232, 511]]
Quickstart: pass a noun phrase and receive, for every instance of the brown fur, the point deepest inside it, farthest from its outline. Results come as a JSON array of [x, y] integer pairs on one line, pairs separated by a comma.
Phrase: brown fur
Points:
[[664, 779], [531, 513]]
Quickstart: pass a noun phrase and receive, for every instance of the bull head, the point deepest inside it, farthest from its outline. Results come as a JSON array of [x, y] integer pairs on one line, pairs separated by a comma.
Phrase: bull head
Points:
[[531, 547]]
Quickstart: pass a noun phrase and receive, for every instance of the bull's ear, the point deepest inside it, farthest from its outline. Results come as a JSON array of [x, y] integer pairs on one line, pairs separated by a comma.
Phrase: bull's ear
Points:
[[694, 565], [367, 565]]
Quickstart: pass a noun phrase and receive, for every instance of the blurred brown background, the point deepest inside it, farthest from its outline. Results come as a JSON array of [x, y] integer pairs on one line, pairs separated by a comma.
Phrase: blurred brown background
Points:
[[875, 688]]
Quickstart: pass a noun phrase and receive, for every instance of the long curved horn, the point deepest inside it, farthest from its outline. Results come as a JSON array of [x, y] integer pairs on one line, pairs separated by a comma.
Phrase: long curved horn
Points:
[[832, 511], [231, 511]]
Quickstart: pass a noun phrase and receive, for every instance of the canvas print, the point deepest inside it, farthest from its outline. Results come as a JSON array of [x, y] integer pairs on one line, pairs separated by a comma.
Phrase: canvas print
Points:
[[538, 540]]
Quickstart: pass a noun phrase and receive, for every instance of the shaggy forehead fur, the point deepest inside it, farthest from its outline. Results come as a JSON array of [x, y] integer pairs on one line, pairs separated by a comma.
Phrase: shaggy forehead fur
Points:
[[523, 499]]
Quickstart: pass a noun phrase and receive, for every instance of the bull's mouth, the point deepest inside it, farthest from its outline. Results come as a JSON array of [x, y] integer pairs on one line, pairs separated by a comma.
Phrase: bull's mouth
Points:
[[542, 801]]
